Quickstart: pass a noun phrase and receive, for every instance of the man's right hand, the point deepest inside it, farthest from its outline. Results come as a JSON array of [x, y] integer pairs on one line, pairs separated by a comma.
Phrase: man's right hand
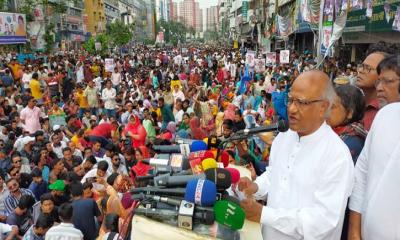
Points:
[[246, 186]]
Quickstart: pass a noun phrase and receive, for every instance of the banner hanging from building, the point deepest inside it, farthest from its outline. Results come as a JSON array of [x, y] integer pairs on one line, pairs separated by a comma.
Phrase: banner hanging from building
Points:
[[245, 8], [12, 28]]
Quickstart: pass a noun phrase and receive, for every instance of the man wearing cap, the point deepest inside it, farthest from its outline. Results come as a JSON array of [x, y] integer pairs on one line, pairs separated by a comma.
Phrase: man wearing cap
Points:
[[57, 191]]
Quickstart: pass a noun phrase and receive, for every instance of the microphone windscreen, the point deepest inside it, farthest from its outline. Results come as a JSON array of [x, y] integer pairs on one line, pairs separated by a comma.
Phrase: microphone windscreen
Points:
[[198, 146], [201, 192], [220, 176], [209, 163], [235, 175], [229, 214], [209, 154], [225, 158], [201, 154]]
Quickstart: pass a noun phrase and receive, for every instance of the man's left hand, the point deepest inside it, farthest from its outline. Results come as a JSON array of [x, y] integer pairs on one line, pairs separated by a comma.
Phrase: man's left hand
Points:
[[252, 209]]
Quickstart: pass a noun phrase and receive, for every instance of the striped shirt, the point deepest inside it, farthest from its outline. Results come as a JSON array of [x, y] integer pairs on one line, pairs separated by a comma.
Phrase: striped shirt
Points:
[[11, 202], [64, 231]]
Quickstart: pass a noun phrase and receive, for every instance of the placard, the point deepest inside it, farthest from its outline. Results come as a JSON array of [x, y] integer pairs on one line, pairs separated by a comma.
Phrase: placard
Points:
[[270, 58], [250, 57], [284, 56], [109, 64]]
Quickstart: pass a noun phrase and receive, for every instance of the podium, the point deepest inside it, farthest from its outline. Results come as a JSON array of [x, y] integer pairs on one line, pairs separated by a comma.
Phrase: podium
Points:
[[144, 228]]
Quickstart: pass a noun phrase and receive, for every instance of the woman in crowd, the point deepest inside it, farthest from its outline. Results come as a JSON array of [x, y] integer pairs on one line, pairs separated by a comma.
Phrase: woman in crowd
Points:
[[135, 130], [347, 111]]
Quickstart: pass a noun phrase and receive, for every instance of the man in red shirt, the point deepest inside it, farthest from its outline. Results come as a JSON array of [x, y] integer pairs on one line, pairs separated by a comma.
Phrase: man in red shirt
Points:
[[367, 76], [103, 133]]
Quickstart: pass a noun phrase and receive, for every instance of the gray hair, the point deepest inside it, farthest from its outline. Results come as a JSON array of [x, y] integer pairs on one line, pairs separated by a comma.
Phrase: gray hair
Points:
[[329, 95]]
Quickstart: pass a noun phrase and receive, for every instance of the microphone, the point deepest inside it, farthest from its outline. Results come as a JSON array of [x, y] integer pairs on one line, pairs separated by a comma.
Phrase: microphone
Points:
[[198, 146], [201, 192], [229, 214], [235, 174], [166, 148], [209, 163], [156, 161], [220, 176], [281, 126], [224, 158], [177, 203], [203, 217], [166, 180], [203, 154], [159, 191], [176, 162]]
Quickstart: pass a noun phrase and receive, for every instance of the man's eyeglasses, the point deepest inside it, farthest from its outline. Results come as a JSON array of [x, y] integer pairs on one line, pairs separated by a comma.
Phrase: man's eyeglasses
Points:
[[385, 81], [301, 102], [364, 68]]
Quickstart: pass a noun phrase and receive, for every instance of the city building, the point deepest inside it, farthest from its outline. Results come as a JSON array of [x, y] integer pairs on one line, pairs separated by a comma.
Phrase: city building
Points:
[[163, 8], [69, 26], [111, 10], [212, 18], [191, 14], [96, 17], [173, 11]]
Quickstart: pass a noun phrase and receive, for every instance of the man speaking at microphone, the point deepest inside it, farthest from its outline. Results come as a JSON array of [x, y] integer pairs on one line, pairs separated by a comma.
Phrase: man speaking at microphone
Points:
[[310, 175]]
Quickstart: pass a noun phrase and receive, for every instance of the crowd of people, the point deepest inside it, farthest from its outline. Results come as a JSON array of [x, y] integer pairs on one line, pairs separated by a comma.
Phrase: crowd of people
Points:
[[74, 135]]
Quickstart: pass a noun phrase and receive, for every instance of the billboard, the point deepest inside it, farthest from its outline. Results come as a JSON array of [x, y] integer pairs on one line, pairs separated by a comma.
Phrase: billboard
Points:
[[12, 28]]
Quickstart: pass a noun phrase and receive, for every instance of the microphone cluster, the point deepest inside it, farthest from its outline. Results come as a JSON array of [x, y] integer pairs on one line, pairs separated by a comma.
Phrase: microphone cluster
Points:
[[196, 194]]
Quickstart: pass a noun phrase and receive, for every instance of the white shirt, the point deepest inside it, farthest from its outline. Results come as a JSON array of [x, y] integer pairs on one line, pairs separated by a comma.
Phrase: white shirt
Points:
[[64, 231], [308, 182], [3, 195], [116, 78], [376, 192], [179, 116], [26, 78], [108, 96], [4, 228], [80, 75], [93, 173], [58, 150], [179, 95]]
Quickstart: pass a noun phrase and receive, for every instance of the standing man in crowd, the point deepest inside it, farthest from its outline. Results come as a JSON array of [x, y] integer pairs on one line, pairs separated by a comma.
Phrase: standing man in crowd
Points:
[[367, 77], [310, 176]]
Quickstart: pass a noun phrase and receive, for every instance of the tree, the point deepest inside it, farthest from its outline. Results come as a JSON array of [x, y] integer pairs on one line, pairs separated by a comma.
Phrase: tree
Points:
[[174, 31], [103, 39], [120, 33]]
